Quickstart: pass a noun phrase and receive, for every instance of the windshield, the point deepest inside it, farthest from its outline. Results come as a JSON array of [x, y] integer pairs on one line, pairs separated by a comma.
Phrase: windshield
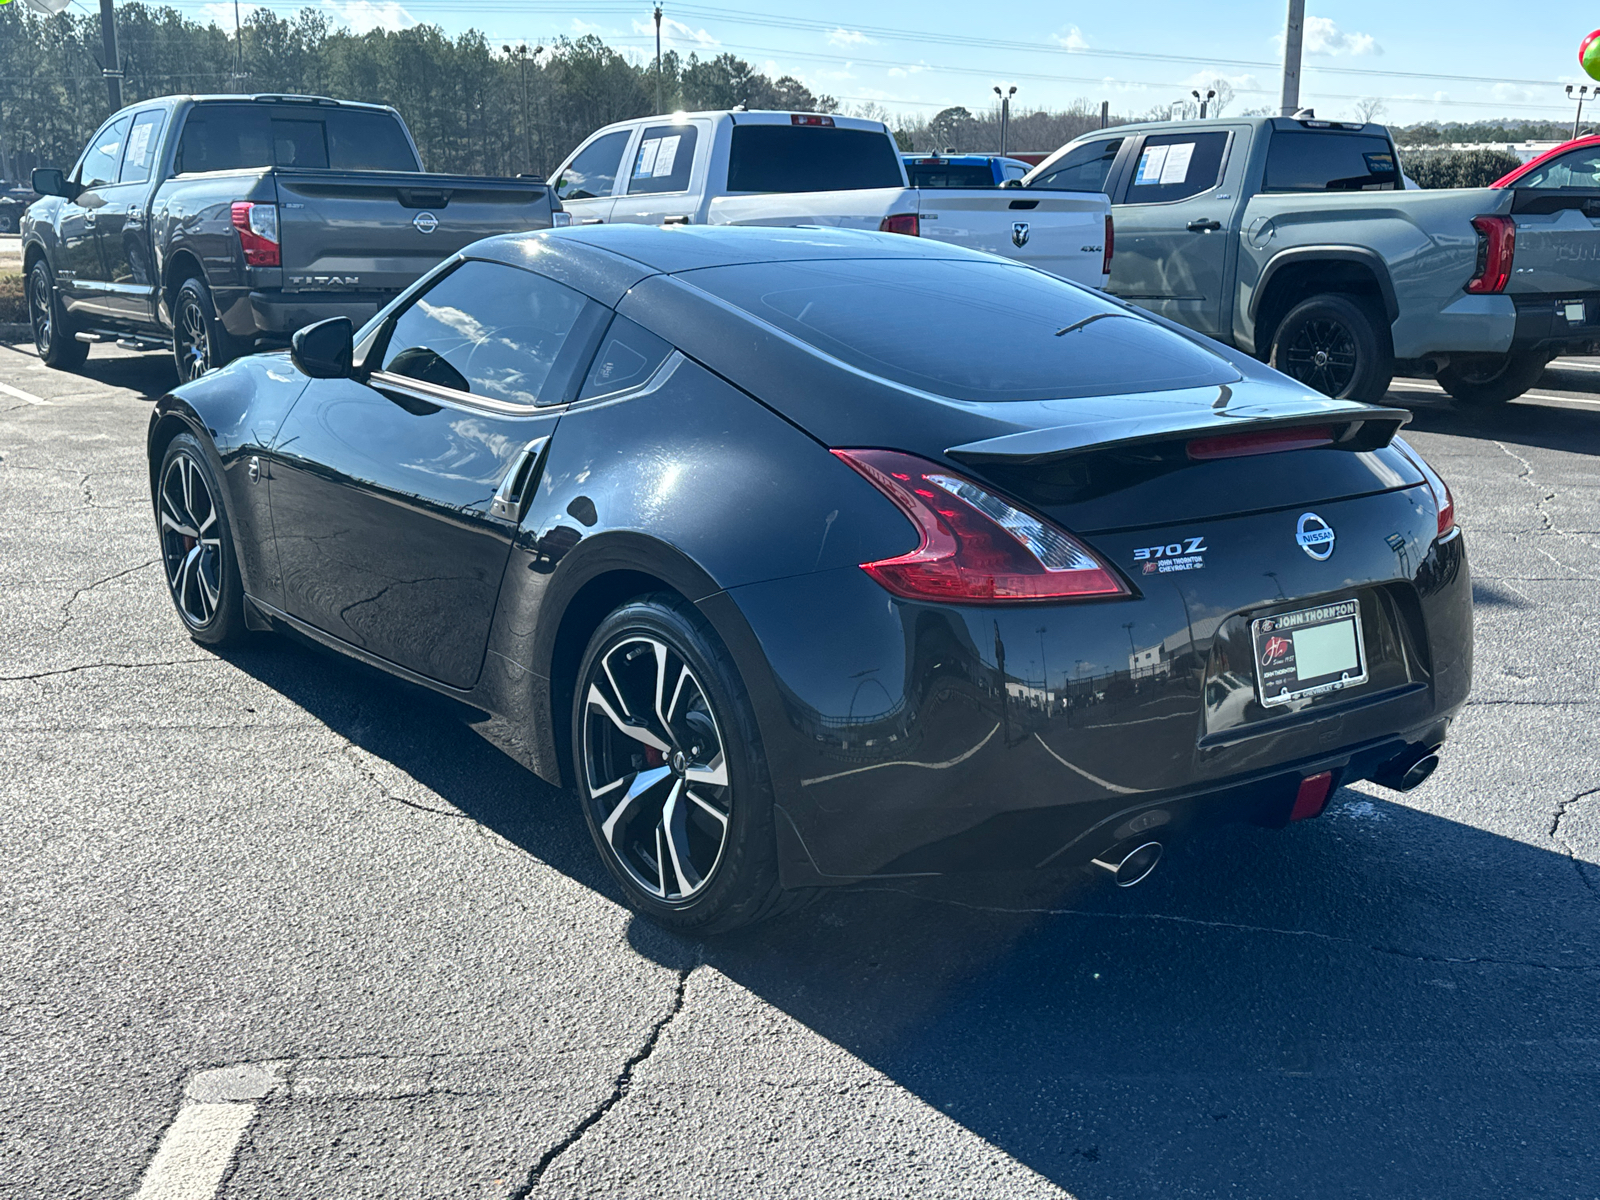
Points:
[[968, 329], [231, 137], [799, 158]]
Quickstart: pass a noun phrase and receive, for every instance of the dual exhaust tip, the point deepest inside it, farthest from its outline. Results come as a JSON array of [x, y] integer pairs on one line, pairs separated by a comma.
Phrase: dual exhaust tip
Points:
[[1133, 866]]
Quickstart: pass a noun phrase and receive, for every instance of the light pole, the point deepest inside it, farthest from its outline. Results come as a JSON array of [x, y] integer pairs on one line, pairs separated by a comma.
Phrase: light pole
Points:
[[520, 53], [658, 60], [1582, 92], [1293, 30], [1044, 668], [112, 70], [1204, 100], [1005, 114]]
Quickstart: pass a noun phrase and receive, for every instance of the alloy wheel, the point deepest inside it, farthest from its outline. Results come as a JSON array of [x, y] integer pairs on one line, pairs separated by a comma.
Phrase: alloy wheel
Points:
[[1323, 356], [191, 540], [194, 341], [656, 768], [41, 310]]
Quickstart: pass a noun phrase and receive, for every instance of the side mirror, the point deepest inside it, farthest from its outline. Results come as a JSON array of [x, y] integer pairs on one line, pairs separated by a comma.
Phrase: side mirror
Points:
[[324, 350], [52, 181]]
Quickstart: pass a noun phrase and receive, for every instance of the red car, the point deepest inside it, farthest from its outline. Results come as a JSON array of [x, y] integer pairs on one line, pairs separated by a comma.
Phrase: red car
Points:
[[1571, 164]]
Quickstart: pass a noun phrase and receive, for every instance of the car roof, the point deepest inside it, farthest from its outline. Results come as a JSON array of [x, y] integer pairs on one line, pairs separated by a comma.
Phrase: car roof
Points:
[[668, 249]]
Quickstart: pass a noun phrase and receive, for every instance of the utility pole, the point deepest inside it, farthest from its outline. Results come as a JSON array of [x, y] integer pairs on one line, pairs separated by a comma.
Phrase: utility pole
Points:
[[1293, 31], [112, 70], [238, 39], [658, 60], [520, 53], [1105, 113]]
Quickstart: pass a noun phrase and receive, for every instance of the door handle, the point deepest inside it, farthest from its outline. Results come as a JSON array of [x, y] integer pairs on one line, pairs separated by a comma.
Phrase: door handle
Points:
[[1203, 226], [519, 480], [591, 221], [133, 210], [88, 217]]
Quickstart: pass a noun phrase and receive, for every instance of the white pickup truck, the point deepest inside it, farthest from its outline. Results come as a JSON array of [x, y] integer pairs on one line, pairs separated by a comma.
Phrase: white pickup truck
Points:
[[780, 168]]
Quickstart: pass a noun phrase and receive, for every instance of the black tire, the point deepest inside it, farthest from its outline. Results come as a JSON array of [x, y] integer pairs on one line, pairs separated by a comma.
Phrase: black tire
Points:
[[199, 342], [1483, 380], [197, 549], [689, 882], [52, 332], [1336, 345]]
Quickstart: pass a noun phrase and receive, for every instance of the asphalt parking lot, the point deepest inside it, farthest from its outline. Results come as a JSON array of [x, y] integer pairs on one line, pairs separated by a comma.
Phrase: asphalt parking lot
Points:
[[296, 920]]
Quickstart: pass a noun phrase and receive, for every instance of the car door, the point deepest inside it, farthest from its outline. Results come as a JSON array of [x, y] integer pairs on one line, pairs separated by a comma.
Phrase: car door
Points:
[[1175, 221], [587, 183], [80, 270], [1578, 168], [658, 189], [122, 227], [395, 495]]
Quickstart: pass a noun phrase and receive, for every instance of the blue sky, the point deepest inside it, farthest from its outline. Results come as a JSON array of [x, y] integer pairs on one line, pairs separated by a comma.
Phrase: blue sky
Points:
[[1475, 59]]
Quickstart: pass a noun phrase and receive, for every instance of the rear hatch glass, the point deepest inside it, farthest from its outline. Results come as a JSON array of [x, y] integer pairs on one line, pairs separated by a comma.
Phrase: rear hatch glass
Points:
[[231, 137], [950, 175], [799, 158], [967, 329]]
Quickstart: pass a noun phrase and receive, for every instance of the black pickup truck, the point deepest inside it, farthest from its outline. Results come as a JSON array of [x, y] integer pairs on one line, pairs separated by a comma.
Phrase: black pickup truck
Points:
[[214, 224]]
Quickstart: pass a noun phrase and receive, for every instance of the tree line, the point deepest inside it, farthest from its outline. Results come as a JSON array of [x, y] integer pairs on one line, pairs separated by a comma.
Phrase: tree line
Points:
[[473, 107]]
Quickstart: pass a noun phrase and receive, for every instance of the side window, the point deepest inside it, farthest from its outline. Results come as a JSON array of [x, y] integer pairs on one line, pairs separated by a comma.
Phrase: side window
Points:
[[486, 329], [1085, 169], [105, 155], [592, 173], [1175, 166], [628, 356], [1580, 169], [139, 157], [1017, 171], [666, 152]]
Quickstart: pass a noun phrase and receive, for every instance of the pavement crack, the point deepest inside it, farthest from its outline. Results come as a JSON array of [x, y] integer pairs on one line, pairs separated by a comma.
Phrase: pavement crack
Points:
[[103, 666], [1240, 927], [66, 609], [1578, 864], [619, 1089], [1545, 495], [352, 753]]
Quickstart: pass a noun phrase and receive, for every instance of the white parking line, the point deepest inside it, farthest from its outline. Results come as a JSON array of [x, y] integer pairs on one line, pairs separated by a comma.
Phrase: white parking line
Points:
[[198, 1146], [29, 397]]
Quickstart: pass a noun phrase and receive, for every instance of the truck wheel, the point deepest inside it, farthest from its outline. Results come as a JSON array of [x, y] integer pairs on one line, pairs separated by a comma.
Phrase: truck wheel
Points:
[[199, 342], [1336, 345], [671, 772], [1487, 379], [52, 335]]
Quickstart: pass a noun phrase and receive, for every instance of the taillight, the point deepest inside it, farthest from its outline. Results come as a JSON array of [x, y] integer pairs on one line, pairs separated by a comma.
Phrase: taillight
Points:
[[1443, 502], [1497, 246], [820, 122], [258, 232], [1111, 242], [1267, 441], [906, 223], [976, 548]]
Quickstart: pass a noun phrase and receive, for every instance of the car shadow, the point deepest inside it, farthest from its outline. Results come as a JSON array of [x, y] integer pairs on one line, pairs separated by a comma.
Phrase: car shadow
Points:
[[150, 375], [1377, 1002], [1530, 423]]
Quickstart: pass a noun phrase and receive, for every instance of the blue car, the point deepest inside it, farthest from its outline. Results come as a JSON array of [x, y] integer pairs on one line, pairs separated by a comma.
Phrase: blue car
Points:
[[962, 170]]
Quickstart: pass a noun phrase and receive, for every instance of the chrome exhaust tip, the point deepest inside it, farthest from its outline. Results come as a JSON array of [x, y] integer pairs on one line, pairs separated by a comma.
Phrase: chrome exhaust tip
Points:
[[1134, 866], [1419, 772]]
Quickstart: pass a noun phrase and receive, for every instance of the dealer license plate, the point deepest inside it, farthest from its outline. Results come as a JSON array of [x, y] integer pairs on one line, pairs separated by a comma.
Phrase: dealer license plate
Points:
[[1308, 653]]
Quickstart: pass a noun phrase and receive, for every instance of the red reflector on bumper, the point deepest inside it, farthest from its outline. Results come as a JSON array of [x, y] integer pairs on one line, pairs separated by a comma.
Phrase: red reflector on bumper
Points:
[[1312, 797]]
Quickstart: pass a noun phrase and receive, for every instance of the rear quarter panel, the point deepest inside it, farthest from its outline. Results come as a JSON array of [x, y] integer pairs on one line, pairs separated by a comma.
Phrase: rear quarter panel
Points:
[[191, 222], [1426, 241]]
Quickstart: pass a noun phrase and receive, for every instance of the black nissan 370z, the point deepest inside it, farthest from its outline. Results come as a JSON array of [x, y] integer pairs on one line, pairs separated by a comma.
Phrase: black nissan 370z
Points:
[[806, 557]]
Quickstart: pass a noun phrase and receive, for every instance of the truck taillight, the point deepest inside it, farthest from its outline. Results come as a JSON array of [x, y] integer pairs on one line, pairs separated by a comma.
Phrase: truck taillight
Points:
[[1497, 246], [258, 232], [906, 223], [975, 548], [1111, 242]]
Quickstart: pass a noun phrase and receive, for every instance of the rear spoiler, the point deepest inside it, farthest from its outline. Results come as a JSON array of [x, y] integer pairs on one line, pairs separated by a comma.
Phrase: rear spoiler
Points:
[[1354, 427], [1540, 201]]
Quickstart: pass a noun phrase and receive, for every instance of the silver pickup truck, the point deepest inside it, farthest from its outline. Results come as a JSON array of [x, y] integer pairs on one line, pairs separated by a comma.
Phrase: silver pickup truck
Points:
[[1295, 240], [213, 223]]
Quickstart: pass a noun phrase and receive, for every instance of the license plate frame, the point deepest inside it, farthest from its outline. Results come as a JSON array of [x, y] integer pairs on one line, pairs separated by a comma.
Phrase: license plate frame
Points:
[[1279, 654]]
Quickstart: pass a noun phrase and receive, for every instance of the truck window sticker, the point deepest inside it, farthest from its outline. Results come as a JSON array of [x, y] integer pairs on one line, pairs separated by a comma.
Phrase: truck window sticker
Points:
[[1176, 168], [667, 155], [1151, 163], [647, 158]]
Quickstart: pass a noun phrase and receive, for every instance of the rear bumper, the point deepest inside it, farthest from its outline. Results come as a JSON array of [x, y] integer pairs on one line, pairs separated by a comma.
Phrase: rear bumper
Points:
[[1558, 324], [273, 315], [910, 739]]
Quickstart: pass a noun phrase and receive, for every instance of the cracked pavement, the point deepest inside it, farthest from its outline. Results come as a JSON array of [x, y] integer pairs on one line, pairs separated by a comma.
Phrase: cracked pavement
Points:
[[284, 865]]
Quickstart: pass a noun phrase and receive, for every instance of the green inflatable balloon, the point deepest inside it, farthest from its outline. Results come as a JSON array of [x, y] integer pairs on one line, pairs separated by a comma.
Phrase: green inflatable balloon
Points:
[[1589, 55]]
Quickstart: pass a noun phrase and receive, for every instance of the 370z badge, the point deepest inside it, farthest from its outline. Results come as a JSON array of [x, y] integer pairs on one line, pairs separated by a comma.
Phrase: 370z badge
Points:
[[1188, 554]]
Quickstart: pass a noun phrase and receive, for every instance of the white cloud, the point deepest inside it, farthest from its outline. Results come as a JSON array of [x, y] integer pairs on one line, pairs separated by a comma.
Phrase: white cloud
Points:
[[365, 15], [849, 37], [221, 13], [1510, 93], [581, 27], [1070, 38], [675, 35], [1322, 36], [907, 71]]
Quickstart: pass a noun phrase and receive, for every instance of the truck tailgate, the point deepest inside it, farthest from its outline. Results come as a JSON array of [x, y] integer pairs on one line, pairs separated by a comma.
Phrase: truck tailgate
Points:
[[1558, 242], [862, 208], [379, 231], [1063, 233]]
